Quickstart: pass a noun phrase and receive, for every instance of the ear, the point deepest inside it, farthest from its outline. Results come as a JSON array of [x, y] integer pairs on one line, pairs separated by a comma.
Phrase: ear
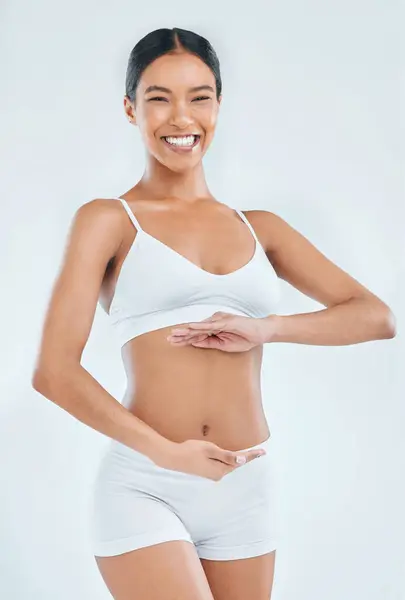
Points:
[[129, 111]]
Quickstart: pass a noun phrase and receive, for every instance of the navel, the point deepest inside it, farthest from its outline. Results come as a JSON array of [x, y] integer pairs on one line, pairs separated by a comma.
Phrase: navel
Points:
[[205, 430]]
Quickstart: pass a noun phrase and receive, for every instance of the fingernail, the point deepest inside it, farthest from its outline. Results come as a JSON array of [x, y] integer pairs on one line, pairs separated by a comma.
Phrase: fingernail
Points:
[[241, 460]]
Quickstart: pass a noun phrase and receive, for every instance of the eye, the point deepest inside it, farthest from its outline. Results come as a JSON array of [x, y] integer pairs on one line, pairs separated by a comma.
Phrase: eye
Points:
[[202, 98], [157, 98]]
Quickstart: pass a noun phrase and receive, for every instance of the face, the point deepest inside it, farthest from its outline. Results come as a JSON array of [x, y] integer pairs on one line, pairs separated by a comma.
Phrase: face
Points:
[[169, 118]]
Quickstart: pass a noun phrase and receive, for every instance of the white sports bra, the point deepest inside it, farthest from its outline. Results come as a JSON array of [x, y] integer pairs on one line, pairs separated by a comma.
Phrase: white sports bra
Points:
[[158, 287]]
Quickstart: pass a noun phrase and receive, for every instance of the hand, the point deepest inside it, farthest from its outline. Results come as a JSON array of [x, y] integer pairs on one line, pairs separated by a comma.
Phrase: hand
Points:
[[222, 331], [202, 458]]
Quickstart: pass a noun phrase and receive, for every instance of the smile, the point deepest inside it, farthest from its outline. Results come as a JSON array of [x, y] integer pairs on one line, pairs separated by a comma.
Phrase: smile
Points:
[[181, 143]]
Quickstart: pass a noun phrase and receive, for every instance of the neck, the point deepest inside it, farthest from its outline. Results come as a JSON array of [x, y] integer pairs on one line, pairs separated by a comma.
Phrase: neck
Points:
[[160, 182]]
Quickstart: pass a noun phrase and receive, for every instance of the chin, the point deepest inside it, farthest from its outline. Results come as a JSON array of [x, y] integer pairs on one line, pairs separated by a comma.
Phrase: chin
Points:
[[183, 169], [177, 166]]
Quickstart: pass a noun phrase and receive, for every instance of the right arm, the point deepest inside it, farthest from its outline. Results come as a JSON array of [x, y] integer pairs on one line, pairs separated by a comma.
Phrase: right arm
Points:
[[94, 237]]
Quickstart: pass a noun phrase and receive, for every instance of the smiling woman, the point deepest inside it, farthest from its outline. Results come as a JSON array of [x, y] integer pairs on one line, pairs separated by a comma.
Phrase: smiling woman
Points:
[[186, 73], [191, 286]]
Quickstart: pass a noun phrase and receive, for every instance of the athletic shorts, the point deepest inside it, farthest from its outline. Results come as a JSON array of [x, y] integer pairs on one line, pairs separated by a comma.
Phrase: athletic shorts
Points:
[[136, 503]]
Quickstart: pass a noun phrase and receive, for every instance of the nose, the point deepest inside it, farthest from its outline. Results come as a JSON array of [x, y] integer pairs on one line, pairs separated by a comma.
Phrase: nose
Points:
[[180, 115]]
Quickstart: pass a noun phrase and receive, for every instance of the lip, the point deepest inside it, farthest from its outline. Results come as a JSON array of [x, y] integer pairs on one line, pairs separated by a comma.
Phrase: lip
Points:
[[182, 149]]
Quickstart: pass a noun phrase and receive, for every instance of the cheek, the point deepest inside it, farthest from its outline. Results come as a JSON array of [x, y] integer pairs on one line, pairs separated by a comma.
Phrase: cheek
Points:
[[152, 119], [208, 119], [156, 111]]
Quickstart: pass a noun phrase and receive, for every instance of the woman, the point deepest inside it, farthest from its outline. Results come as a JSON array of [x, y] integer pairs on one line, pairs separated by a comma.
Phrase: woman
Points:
[[191, 286]]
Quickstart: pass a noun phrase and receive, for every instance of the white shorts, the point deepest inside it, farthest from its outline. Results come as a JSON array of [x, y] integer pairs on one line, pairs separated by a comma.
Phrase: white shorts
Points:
[[137, 503]]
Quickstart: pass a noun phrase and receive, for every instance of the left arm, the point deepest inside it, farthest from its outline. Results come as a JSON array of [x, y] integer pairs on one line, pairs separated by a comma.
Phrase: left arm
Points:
[[353, 314]]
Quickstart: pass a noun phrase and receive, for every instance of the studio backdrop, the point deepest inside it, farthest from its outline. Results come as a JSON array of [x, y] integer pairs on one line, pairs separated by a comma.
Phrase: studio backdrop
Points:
[[310, 129]]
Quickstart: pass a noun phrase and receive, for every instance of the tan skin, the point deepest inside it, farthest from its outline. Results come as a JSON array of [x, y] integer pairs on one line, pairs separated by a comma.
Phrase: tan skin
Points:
[[201, 393], [173, 203], [210, 395]]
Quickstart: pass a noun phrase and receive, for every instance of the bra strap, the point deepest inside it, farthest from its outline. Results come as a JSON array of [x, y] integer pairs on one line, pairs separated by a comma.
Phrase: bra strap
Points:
[[246, 220], [130, 213]]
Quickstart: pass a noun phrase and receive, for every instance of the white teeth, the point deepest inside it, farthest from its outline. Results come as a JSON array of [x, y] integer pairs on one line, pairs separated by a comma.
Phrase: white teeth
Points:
[[181, 141]]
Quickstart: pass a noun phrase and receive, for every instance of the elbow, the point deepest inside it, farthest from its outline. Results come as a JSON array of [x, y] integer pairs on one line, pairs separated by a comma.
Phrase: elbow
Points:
[[41, 379], [48, 376], [387, 323], [379, 318], [391, 326]]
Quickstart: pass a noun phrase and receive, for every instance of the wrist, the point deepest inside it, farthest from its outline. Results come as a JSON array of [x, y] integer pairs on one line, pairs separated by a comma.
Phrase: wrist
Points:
[[148, 441], [271, 326], [159, 447]]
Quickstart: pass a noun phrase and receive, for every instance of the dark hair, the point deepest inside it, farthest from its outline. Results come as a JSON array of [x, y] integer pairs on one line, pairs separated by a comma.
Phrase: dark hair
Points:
[[165, 41]]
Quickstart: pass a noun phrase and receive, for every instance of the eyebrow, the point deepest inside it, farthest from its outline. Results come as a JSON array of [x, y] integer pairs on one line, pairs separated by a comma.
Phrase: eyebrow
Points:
[[159, 88]]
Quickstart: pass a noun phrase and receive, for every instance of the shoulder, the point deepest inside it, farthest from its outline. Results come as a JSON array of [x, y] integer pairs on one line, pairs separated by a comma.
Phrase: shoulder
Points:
[[100, 213], [100, 221], [100, 208], [270, 228]]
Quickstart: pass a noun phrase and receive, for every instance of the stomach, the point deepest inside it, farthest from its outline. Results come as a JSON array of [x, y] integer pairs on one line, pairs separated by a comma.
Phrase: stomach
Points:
[[184, 392]]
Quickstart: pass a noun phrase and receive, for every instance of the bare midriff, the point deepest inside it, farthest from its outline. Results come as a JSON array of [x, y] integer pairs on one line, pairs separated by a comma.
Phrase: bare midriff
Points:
[[185, 392]]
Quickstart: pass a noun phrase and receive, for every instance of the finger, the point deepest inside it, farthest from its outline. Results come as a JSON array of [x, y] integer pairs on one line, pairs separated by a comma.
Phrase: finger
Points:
[[207, 342], [197, 341], [180, 342], [245, 457], [178, 336], [184, 334], [184, 329], [190, 334], [208, 325], [187, 338], [180, 331], [219, 316], [237, 458]]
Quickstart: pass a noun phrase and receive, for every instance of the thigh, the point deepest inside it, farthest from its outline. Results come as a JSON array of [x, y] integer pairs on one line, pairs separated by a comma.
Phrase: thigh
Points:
[[241, 579], [170, 570]]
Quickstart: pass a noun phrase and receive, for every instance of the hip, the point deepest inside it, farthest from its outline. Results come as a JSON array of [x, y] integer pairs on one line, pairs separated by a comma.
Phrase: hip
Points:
[[125, 470], [136, 502]]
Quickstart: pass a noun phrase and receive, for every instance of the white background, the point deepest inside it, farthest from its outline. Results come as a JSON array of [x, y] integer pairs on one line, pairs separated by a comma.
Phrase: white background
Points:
[[309, 128]]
